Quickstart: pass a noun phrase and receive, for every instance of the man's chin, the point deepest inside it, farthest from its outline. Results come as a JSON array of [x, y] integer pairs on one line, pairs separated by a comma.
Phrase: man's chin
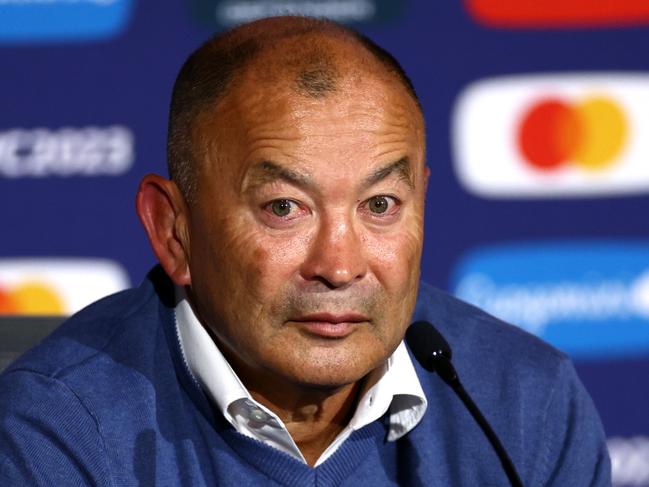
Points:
[[330, 376], [326, 384], [325, 363]]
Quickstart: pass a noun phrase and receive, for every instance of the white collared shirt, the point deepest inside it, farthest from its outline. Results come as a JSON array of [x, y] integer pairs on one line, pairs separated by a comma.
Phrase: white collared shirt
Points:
[[395, 386]]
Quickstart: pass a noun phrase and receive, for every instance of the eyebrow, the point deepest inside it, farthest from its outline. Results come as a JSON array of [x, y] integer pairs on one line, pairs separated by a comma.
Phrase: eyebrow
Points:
[[268, 172], [400, 167]]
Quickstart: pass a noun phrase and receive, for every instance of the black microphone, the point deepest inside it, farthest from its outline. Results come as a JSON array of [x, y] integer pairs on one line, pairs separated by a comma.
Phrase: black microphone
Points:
[[434, 354]]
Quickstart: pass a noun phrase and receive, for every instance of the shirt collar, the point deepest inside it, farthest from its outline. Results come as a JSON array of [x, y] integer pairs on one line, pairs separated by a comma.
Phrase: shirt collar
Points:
[[205, 361], [394, 386]]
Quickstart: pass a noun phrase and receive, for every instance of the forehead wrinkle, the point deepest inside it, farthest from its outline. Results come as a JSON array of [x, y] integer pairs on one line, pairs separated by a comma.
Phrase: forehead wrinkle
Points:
[[401, 168], [267, 172]]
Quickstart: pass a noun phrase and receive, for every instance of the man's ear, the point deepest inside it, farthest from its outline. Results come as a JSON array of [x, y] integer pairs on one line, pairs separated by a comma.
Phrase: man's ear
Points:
[[164, 214]]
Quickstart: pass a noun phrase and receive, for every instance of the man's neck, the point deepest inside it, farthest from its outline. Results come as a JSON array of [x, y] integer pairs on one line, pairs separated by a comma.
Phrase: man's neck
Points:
[[314, 418]]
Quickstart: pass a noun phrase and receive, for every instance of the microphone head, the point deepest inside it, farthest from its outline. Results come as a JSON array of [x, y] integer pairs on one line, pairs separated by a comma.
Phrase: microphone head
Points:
[[427, 344]]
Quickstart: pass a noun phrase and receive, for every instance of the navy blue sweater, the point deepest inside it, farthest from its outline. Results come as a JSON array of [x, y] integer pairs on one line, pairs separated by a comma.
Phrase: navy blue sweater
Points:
[[107, 400]]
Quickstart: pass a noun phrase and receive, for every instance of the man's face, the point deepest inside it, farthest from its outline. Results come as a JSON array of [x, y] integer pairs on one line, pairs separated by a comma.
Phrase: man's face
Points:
[[306, 236]]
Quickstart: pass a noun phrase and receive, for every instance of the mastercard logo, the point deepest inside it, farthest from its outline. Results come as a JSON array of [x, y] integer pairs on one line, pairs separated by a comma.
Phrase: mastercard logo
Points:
[[537, 136], [590, 133], [31, 298]]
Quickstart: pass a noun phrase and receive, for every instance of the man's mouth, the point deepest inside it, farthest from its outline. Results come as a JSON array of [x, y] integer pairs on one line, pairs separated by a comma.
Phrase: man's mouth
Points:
[[330, 325]]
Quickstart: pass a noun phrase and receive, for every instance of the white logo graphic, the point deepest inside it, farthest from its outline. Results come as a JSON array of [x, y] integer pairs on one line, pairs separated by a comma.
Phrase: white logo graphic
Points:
[[630, 461], [89, 151], [534, 305], [238, 11]]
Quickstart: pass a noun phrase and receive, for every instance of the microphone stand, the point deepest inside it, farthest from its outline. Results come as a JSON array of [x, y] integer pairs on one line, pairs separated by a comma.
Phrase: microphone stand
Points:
[[434, 353], [446, 371]]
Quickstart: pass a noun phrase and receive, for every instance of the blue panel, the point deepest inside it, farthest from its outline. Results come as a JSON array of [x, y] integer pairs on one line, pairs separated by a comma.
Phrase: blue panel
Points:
[[590, 299], [63, 20], [72, 70]]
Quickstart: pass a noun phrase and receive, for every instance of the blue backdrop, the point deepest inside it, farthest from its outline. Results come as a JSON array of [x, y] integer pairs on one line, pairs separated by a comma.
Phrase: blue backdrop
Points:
[[557, 229]]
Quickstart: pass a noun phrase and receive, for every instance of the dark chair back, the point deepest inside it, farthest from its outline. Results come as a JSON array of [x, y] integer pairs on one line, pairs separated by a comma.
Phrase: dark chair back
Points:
[[19, 333]]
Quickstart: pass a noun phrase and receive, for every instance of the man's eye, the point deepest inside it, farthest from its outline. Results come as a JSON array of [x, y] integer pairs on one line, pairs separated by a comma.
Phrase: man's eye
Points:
[[282, 207], [380, 204]]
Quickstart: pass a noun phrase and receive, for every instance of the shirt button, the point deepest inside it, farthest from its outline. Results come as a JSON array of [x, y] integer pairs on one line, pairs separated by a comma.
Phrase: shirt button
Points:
[[258, 415]]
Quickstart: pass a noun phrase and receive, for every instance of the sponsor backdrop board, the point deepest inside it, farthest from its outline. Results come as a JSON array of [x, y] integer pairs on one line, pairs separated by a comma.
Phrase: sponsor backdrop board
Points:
[[537, 142]]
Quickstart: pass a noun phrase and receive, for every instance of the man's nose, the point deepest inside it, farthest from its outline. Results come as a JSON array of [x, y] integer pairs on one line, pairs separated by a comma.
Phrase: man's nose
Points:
[[336, 255]]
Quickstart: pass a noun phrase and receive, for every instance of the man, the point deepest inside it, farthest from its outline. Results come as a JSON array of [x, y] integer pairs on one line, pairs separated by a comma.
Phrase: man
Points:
[[267, 348]]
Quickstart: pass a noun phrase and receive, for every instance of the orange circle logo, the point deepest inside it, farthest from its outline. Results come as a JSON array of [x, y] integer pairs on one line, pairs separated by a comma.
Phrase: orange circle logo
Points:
[[31, 298], [590, 134]]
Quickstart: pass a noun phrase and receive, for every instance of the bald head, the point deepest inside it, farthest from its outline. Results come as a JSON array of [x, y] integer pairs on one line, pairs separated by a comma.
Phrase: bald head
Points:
[[313, 55]]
